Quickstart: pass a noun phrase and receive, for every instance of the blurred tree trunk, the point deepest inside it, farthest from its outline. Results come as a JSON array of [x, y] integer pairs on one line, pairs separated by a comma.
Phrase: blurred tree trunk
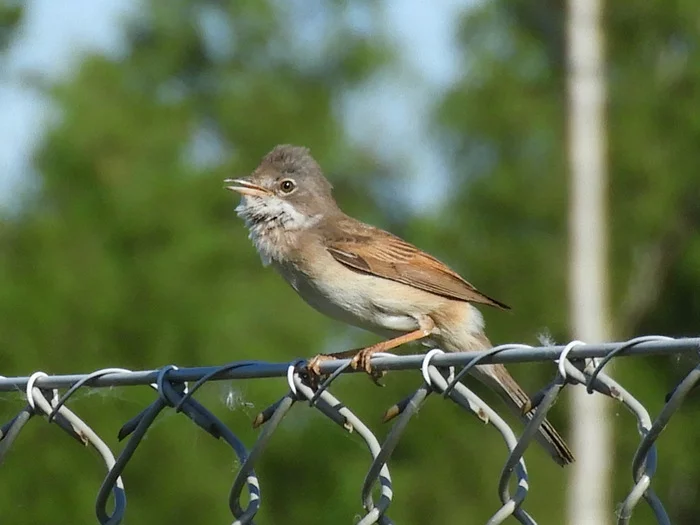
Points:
[[590, 487]]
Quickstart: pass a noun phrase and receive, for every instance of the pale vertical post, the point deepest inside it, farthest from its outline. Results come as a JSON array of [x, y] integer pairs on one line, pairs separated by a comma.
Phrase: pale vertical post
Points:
[[589, 489]]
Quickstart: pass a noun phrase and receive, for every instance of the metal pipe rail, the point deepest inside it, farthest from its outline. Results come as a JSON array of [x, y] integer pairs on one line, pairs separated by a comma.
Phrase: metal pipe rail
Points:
[[511, 353]]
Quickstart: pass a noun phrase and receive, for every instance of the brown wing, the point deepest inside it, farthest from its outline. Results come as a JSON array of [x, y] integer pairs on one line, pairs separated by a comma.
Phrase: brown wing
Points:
[[374, 251]]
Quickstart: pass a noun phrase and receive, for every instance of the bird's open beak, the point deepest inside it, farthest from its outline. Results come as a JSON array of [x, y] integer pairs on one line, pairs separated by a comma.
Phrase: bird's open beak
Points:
[[245, 187]]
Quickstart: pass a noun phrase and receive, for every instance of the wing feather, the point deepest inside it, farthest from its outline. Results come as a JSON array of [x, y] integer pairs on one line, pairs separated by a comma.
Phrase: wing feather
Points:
[[374, 251]]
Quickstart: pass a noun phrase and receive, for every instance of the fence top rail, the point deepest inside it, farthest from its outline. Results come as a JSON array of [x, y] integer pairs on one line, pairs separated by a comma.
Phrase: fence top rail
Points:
[[507, 353]]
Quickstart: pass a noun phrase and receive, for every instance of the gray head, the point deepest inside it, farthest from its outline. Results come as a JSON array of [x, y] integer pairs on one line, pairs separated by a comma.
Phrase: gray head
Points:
[[287, 189]]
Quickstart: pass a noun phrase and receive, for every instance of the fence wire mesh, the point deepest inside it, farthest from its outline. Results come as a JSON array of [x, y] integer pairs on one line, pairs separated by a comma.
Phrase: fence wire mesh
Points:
[[577, 364]]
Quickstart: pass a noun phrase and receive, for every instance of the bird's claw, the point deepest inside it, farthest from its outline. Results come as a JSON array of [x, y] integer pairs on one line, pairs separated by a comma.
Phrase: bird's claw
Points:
[[314, 366], [376, 375], [313, 369], [362, 360]]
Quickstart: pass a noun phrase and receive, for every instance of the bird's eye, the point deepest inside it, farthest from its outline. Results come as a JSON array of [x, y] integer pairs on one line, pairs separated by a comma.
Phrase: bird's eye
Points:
[[287, 186]]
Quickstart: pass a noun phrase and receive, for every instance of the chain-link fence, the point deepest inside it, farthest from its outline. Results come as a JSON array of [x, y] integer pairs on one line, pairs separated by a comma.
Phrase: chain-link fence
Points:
[[443, 374]]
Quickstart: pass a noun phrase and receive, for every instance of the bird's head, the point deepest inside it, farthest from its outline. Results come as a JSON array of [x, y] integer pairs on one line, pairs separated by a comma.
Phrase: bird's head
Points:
[[287, 189]]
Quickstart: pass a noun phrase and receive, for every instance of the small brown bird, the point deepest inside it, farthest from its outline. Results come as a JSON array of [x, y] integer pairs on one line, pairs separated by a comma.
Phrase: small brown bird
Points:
[[367, 277]]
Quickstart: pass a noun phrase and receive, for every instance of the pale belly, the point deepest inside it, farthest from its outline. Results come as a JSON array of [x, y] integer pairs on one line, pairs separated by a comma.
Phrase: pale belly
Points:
[[378, 305]]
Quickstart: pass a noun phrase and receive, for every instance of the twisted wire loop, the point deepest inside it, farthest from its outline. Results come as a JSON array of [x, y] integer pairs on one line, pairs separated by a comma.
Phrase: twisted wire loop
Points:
[[379, 463], [591, 376], [170, 395], [246, 474], [647, 449], [406, 409], [644, 467], [78, 429], [351, 423], [579, 364], [622, 348], [466, 399]]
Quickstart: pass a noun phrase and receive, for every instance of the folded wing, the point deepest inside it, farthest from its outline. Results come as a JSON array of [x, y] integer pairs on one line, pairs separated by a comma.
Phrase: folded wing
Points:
[[374, 251]]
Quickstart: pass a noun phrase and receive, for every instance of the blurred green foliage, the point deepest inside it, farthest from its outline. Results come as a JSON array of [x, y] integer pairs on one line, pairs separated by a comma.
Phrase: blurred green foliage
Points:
[[10, 15], [128, 253]]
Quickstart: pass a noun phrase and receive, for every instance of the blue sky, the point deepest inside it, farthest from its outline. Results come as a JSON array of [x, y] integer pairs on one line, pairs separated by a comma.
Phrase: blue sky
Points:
[[55, 35]]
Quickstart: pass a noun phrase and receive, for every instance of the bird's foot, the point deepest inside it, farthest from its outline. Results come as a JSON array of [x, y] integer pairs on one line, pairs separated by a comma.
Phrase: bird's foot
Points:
[[313, 369], [362, 359], [314, 366]]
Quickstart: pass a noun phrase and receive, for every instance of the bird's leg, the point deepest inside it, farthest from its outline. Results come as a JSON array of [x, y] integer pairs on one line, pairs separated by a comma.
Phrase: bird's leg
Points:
[[314, 366], [362, 357]]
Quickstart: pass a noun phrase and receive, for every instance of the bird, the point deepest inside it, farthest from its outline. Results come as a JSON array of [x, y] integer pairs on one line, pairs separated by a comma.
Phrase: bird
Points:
[[366, 277]]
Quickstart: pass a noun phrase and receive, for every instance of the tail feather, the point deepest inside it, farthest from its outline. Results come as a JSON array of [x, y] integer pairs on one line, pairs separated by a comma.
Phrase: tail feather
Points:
[[499, 379]]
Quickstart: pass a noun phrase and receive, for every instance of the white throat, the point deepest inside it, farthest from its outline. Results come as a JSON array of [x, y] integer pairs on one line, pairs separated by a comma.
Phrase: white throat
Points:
[[270, 221]]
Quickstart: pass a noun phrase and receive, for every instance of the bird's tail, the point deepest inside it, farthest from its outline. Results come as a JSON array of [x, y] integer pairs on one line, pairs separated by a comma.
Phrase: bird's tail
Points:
[[499, 379]]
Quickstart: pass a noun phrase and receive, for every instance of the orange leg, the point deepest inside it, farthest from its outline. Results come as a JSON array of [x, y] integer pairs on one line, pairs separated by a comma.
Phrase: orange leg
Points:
[[362, 357]]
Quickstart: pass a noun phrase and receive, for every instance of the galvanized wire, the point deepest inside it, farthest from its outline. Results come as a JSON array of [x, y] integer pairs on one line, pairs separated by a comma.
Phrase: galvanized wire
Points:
[[579, 364]]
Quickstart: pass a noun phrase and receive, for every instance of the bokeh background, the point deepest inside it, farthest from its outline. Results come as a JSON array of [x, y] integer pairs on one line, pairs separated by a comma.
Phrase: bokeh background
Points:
[[444, 122]]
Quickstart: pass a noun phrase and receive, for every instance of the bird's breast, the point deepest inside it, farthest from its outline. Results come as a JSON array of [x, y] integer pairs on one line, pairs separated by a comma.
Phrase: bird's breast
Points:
[[366, 301]]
